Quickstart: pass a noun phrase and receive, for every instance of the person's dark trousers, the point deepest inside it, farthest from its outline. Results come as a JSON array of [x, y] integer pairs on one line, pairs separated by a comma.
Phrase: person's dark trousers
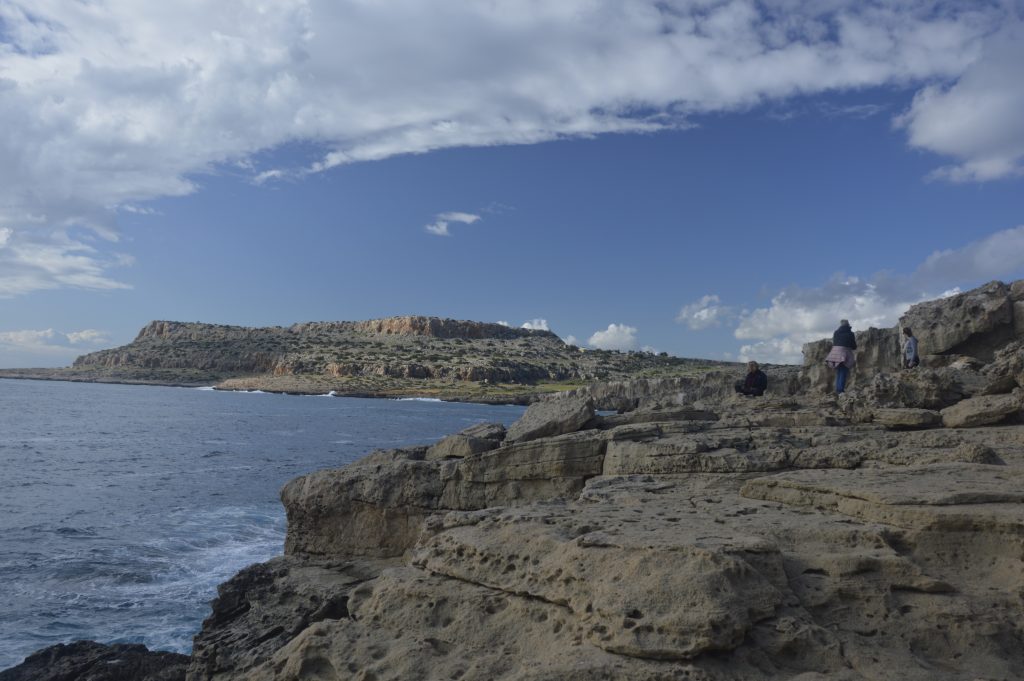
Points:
[[842, 371]]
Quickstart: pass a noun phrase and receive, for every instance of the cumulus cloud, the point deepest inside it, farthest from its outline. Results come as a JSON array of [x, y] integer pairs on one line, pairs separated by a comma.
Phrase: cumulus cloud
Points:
[[113, 103], [502, 322], [571, 340], [797, 315], [49, 343], [977, 119], [440, 225], [615, 337], [536, 325], [704, 313]]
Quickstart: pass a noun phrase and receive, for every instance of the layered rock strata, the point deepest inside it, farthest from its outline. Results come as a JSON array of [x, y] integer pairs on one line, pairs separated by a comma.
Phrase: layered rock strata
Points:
[[695, 535]]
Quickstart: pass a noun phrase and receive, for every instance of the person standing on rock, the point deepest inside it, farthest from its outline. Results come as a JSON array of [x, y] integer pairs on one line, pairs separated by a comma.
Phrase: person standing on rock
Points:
[[841, 357], [755, 383], [910, 358]]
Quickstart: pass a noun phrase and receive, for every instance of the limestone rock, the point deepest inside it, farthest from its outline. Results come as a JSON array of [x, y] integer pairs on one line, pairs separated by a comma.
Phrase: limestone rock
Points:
[[907, 418], [551, 417], [265, 606], [485, 431], [970, 323], [370, 509], [950, 496], [979, 411], [91, 661], [523, 472], [459, 446], [709, 591]]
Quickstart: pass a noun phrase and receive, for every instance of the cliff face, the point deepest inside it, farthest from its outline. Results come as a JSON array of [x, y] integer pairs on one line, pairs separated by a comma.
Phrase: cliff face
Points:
[[368, 357], [957, 333], [696, 535]]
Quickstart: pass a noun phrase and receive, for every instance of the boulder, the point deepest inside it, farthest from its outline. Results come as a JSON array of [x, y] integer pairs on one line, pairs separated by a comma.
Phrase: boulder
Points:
[[551, 417], [971, 323], [983, 410], [91, 661], [485, 431]]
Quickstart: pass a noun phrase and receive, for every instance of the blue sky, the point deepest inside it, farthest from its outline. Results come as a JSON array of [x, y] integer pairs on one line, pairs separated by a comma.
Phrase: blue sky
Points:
[[711, 178]]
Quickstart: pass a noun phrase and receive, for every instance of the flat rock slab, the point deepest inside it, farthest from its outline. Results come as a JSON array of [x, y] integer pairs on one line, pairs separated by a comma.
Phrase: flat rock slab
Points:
[[673, 591], [980, 411], [907, 418], [937, 496]]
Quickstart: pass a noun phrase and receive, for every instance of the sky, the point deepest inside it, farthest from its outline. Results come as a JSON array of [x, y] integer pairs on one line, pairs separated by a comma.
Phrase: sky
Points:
[[722, 179]]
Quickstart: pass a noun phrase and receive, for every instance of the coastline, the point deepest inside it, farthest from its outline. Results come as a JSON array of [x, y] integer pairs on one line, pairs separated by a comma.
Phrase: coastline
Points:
[[522, 398], [693, 533]]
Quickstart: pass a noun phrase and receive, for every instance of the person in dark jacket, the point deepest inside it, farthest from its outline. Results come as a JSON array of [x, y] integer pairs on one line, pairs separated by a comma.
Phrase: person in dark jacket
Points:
[[755, 383], [841, 357]]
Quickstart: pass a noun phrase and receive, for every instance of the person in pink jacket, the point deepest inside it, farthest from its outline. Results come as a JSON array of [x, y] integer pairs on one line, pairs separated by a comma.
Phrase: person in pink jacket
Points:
[[842, 357]]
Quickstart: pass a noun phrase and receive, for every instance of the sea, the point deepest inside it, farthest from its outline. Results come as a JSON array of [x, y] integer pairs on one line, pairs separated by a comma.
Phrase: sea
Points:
[[123, 507]]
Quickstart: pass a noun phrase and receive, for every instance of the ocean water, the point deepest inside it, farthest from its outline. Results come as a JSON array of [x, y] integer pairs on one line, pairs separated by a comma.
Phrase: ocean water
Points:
[[122, 507]]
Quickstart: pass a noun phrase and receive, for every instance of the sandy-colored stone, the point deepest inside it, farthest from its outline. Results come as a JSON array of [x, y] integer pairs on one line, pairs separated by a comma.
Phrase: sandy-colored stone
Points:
[[551, 417], [907, 418], [459, 446], [980, 411]]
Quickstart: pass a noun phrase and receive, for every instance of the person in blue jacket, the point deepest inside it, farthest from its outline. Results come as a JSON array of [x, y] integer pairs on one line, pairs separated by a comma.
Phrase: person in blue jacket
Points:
[[755, 383], [910, 356], [841, 357]]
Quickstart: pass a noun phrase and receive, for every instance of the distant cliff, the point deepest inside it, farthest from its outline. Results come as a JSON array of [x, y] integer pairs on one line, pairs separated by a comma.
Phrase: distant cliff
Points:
[[411, 355]]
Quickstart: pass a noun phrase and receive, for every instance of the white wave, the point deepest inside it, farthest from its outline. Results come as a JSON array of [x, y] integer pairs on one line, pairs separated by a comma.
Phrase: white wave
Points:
[[418, 399], [206, 387]]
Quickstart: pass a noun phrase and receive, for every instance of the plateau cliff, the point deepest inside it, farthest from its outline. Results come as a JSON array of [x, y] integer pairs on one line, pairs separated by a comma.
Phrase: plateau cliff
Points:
[[421, 356]]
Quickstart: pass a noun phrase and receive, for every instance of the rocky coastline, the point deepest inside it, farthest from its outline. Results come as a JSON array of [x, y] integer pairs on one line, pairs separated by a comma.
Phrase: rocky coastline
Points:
[[692, 534], [395, 357]]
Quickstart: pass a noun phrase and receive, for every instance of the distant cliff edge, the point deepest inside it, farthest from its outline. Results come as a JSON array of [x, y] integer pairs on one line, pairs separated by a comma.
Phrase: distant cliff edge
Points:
[[395, 356]]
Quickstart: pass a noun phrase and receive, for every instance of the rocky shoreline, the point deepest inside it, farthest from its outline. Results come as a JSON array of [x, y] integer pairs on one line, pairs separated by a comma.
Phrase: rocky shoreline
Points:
[[693, 534]]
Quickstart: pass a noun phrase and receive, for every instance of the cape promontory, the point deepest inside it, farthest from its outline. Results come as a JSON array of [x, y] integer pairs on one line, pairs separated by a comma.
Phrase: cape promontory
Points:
[[395, 356]]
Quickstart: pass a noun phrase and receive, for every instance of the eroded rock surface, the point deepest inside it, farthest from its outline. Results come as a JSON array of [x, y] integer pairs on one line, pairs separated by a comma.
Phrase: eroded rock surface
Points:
[[91, 661], [696, 535]]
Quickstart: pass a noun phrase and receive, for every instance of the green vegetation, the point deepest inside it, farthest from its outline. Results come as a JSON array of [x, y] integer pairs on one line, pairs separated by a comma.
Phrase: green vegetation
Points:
[[485, 362]]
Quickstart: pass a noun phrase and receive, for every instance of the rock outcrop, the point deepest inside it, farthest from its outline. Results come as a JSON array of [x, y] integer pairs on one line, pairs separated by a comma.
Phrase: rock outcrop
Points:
[[695, 535], [956, 336], [90, 661]]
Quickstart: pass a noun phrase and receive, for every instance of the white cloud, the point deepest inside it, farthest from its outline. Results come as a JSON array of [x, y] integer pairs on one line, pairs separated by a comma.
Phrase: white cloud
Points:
[[116, 102], [87, 337], [440, 226], [50, 343], [536, 325], [615, 337], [978, 118], [797, 315], [466, 218], [502, 322], [571, 340], [704, 313]]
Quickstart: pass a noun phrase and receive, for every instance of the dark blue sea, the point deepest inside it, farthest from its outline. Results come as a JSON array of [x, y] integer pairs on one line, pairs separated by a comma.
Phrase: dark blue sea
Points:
[[122, 507]]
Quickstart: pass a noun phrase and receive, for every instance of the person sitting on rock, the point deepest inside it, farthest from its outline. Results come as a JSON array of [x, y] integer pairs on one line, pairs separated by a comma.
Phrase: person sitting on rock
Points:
[[910, 358], [841, 357], [755, 383]]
